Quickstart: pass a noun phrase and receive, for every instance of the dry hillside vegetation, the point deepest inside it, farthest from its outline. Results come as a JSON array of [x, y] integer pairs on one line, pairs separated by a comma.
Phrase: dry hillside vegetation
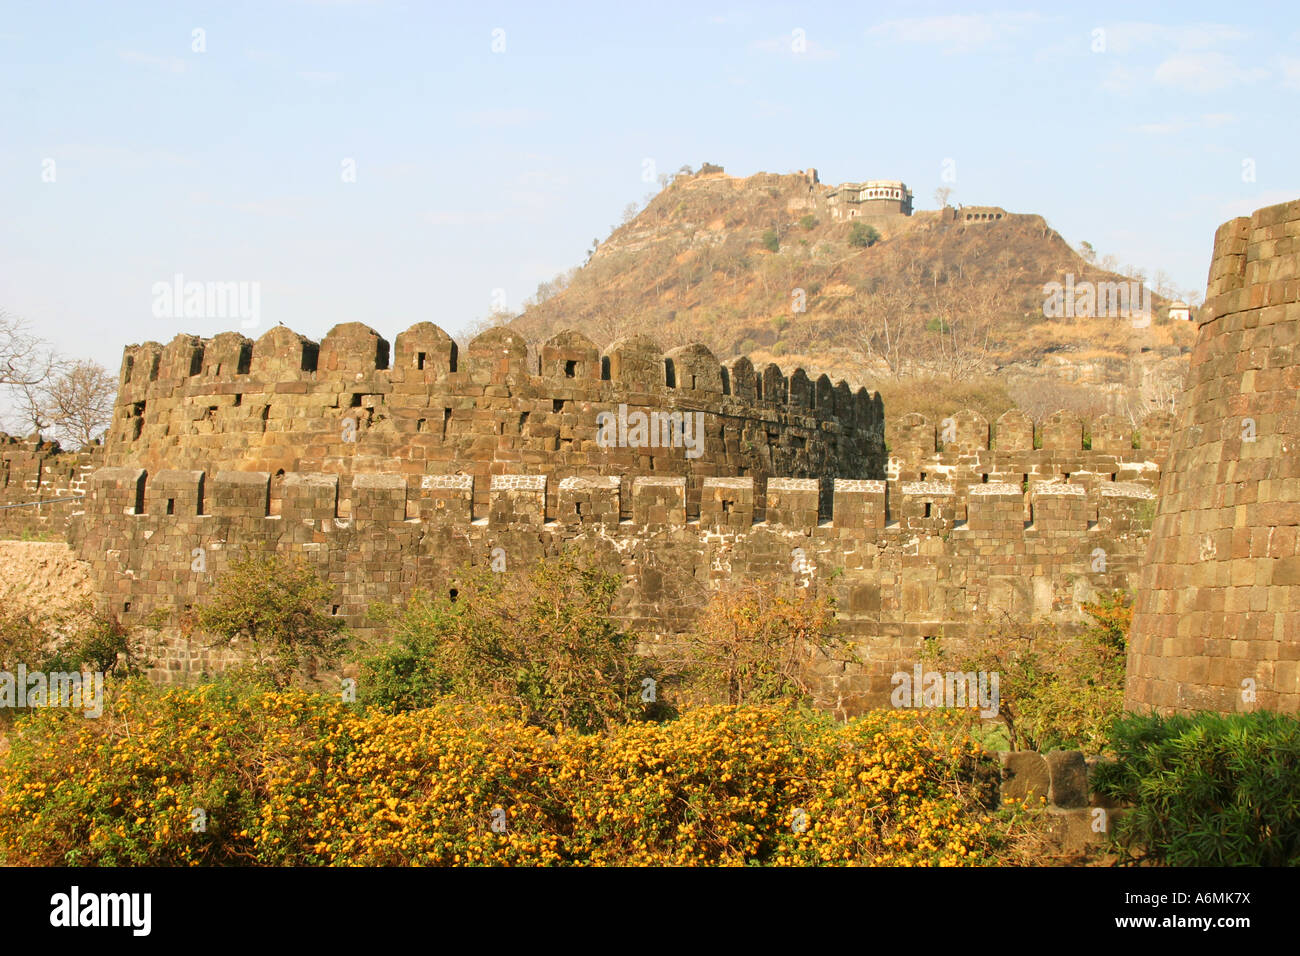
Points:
[[757, 266]]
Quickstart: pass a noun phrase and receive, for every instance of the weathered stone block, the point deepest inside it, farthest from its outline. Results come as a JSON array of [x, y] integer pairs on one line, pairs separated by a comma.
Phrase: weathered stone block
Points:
[[1024, 775], [1068, 775]]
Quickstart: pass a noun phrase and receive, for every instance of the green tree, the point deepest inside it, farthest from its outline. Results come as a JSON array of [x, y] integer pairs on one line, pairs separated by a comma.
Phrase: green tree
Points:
[[278, 606], [67, 640], [1207, 789], [100, 643], [771, 241], [808, 222], [863, 235], [1056, 689]]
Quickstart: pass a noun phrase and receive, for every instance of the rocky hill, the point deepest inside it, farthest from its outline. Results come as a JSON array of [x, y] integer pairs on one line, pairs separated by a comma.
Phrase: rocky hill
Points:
[[763, 266]]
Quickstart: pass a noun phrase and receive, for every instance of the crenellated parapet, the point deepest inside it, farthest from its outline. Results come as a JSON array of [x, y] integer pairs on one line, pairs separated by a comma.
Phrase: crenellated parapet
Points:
[[965, 448], [41, 484], [351, 404], [867, 507], [906, 560]]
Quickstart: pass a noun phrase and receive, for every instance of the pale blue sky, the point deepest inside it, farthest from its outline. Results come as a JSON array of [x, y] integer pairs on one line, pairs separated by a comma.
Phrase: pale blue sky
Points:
[[479, 170]]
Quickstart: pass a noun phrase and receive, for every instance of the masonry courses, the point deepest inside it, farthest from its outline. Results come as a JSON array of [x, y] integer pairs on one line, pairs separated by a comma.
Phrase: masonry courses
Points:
[[389, 470]]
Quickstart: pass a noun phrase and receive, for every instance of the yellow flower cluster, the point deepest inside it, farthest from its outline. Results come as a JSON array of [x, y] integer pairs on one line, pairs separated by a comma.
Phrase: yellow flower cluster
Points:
[[295, 778]]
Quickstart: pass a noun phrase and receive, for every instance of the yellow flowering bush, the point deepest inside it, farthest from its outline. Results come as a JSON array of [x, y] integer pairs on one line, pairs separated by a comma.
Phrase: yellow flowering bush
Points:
[[454, 785], [124, 788], [295, 778]]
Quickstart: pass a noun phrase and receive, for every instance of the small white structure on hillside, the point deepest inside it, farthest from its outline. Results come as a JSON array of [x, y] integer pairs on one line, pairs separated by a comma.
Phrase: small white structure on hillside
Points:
[[1179, 311]]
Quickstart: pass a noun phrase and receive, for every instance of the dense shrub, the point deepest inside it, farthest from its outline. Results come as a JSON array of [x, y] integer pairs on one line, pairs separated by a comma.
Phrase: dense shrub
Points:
[[25, 637], [295, 778], [101, 643], [863, 235], [771, 241], [278, 607], [122, 789], [1057, 690], [755, 642], [787, 787], [543, 641], [74, 639], [1209, 789]]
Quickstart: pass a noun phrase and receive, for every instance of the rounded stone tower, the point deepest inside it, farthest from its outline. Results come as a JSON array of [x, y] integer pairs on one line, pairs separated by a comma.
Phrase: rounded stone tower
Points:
[[1217, 620]]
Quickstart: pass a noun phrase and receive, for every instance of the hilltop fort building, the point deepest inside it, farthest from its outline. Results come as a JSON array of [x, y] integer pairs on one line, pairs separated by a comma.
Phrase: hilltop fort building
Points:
[[876, 197]]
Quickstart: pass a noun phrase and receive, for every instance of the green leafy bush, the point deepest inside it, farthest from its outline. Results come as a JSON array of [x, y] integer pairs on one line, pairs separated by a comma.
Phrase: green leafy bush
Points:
[[863, 235], [278, 606], [1057, 690], [101, 644], [771, 241], [1209, 789], [808, 222], [24, 634], [69, 640], [543, 641]]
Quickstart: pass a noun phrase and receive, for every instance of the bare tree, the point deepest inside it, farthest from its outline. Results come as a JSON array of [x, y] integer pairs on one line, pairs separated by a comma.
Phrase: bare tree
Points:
[[941, 196], [1156, 393], [25, 359], [892, 325], [887, 328], [494, 319], [1134, 272], [77, 402], [26, 366], [28, 408], [1163, 284], [549, 289], [958, 338], [1044, 396]]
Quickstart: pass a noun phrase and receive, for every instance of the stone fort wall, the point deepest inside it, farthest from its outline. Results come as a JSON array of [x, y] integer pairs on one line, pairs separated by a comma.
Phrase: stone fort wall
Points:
[[1217, 620], [967, 517], [348, 406], [40, 471]]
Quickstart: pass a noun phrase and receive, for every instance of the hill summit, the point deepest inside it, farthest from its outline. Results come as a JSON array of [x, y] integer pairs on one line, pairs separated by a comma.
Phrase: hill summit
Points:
[[850, 280]]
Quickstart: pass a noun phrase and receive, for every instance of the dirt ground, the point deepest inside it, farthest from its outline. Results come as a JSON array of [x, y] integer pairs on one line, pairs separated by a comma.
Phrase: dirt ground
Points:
[[40, 574]]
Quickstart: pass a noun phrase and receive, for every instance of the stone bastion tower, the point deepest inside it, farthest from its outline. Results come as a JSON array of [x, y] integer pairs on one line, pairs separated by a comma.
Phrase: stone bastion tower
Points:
[[1217, 620], [285, 404]]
